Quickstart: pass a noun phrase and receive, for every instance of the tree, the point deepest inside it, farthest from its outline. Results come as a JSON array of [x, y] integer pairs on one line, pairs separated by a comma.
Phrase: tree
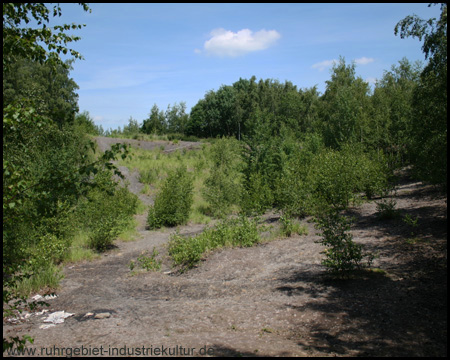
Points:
[[85, 123], [392, 110], [428, 146], [344, 106], [155, 123], [51, 88], [46, 168], [223, 187], [132, 128], [25, 42], [176, 118]]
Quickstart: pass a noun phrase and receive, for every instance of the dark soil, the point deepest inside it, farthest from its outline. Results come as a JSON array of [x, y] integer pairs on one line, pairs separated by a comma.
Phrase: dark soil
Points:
[[274, 299]]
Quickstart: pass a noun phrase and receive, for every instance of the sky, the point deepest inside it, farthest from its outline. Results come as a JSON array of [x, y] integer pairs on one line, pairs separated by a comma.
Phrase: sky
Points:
[[140, 54]]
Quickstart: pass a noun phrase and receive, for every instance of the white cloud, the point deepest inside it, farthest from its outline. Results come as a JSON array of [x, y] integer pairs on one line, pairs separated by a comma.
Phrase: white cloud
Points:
[[227, 43], [364, 60], [324, 64]]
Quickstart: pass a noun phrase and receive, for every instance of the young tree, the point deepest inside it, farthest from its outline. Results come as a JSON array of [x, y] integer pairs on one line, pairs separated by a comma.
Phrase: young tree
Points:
[[428, 146], [344, 106], [155, 123], [392, 109]]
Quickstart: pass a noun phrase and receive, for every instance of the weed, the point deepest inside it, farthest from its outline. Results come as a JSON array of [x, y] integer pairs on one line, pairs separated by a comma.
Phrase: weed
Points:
[[386, 210], [407, 219], [289, 227], [149, 262]]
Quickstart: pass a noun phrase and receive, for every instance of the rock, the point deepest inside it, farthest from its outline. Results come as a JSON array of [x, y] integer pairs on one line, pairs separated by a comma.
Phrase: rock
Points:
[[46, 326], [104, 315]]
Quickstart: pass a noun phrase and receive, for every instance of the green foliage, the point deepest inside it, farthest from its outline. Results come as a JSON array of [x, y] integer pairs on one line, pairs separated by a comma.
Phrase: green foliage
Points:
[[21, 186], [188, 251], [342, 253], [85, 124], [132, 128], [149, 262], [176, 118], [223, 187], [52, 90], [149, 176], [392, 109], [412, 222], [156, 122], [287, 225], [174, 200], [28, 42], [295, 187], [344, 107], [386, 209], [106, 211], [428, 130], [257, 196], [338, 176]]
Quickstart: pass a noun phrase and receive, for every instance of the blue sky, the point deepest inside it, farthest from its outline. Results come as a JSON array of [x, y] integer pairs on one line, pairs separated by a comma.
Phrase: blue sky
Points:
[[137, 55]]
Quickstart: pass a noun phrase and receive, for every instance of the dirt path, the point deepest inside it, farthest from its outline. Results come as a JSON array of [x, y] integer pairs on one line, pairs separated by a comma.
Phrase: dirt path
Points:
[[269, 300]]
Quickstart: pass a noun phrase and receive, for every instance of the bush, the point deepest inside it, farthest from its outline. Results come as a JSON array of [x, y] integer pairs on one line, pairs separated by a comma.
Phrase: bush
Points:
[[106, 211], [223, 187], [173, 202], [340, 176], [257, 196], [187, 251], [342, 253], [149, 262], [386, 209]]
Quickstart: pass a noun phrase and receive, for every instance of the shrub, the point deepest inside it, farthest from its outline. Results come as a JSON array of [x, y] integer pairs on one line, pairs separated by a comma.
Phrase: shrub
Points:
[[149, 262], [106, 210], [386, 209], [187, 251], [173, 202], [339, 176], [257, 196], [223, 187], [342, 253], [286, 225]]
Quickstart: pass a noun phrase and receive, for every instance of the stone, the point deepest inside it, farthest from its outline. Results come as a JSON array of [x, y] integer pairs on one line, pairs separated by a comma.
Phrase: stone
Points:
[[104, 315]]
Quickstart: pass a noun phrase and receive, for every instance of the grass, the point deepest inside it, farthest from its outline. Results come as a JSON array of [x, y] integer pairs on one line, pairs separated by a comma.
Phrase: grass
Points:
[[154, 165], [46, 278], [290, 226], [188, 251], [79, 249]]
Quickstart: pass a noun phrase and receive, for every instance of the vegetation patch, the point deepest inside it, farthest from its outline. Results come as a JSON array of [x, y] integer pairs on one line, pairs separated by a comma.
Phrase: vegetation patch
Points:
[[188, 251]]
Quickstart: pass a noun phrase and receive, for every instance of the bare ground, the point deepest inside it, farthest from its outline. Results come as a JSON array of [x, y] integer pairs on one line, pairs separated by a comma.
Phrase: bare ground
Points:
[[273, 299]]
